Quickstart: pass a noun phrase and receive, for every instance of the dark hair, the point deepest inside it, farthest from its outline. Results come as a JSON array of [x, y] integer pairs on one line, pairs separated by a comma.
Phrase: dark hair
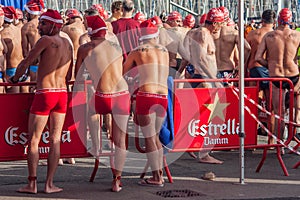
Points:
[[128, 5], [116, 5], [268, 16], [91, 12]]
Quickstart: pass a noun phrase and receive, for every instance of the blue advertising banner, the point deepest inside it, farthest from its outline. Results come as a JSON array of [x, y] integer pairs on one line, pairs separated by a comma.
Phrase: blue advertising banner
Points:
[[15, 3]]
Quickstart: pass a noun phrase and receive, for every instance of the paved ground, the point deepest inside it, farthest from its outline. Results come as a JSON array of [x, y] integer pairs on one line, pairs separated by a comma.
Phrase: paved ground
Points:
[[269, 183]]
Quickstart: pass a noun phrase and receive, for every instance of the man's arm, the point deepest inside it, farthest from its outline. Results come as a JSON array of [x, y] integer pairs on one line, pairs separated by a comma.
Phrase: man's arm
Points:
[[34, 53], [259, 56], [24, 42], [129, 63], [79, 60]]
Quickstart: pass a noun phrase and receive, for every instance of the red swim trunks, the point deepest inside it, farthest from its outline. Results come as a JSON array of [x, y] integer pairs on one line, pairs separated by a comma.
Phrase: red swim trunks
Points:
[[49, 100], [115, 103], [147, 103]]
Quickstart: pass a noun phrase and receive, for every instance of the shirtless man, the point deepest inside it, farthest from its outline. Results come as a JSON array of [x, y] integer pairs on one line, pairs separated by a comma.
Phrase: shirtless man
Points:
[[201, 49], [111, 94], [116, 11], [12, 38], [3, 51], [30, 34], [50, 100], [152, 61], [278, 51], [254, 38], [226, 41]]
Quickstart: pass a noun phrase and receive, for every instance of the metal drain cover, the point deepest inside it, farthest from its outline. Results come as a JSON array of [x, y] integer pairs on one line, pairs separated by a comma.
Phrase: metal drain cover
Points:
[[178, 193]]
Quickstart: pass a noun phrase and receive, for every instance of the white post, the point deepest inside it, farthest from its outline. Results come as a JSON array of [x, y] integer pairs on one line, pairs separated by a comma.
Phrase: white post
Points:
[[241, 88]]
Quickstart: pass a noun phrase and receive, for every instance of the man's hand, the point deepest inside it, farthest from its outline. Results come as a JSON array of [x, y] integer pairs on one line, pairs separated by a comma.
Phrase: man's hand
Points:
[[11, 80]]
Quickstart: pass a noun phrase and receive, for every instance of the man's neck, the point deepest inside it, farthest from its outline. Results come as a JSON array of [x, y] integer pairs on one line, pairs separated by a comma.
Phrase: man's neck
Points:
[[127, 15]]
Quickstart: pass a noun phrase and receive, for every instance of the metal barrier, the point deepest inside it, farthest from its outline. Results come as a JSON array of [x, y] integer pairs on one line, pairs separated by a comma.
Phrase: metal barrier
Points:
[[207, 118], [14, 124]]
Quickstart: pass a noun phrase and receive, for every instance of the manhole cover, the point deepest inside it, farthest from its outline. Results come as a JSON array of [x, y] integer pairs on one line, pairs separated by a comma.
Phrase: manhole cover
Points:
[[178, 193]]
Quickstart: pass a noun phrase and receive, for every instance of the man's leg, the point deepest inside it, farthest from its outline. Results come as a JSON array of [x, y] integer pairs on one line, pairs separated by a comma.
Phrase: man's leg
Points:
[[36, 124], [119, 130], [153, 147], [56, 124]]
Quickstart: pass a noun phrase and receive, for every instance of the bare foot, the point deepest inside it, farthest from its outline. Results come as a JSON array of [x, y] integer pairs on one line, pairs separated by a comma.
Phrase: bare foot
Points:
[[28, 189], [116, 185], [210, 160], [70, 161], [52, 189], [192, 154]]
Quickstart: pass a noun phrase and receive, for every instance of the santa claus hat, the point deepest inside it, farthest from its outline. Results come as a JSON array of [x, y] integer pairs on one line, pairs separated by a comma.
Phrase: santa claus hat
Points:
[[19, 13], [35, 7], [70, 13], [1, 11], [53, 16], [202, 19], [99, 8], [148, 30], [96, 26], [9, 14]]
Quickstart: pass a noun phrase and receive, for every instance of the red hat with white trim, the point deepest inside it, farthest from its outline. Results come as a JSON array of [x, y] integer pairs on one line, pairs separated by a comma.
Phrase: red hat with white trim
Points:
[[215, 15], [53, 16], [140, 17], [96, 26], [70, 13], [19, 13], [148, 30], [9, 13], [173, 16], [1, 11], [285, 16], [189, 21], [35, 7]]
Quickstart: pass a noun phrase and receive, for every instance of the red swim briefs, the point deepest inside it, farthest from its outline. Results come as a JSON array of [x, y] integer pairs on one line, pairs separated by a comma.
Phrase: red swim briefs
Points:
[[147, 103], [115, 103], [49, 100]]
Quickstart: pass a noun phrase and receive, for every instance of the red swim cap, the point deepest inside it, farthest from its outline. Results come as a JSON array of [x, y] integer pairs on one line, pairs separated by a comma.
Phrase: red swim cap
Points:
[[70, 13], [202, 19], [285, 16], [225, 11], [140, 17], [215, 15], [156, 20], [189, 21], [174, 16]]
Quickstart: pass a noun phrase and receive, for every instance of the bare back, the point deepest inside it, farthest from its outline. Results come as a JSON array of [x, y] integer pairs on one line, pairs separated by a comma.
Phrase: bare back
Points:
[[103, 59], [12, 38], [281, 55], [30, 35], [75, 30], [225, 46], [59, 50], [254, 39], [152, 61]]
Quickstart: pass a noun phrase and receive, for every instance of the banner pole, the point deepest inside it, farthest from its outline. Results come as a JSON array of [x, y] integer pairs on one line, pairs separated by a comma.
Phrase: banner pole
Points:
[[241, 88]]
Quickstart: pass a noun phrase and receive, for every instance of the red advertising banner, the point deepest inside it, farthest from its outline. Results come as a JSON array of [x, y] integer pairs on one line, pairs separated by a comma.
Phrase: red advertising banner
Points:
[[209, 118], [14, 122]]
